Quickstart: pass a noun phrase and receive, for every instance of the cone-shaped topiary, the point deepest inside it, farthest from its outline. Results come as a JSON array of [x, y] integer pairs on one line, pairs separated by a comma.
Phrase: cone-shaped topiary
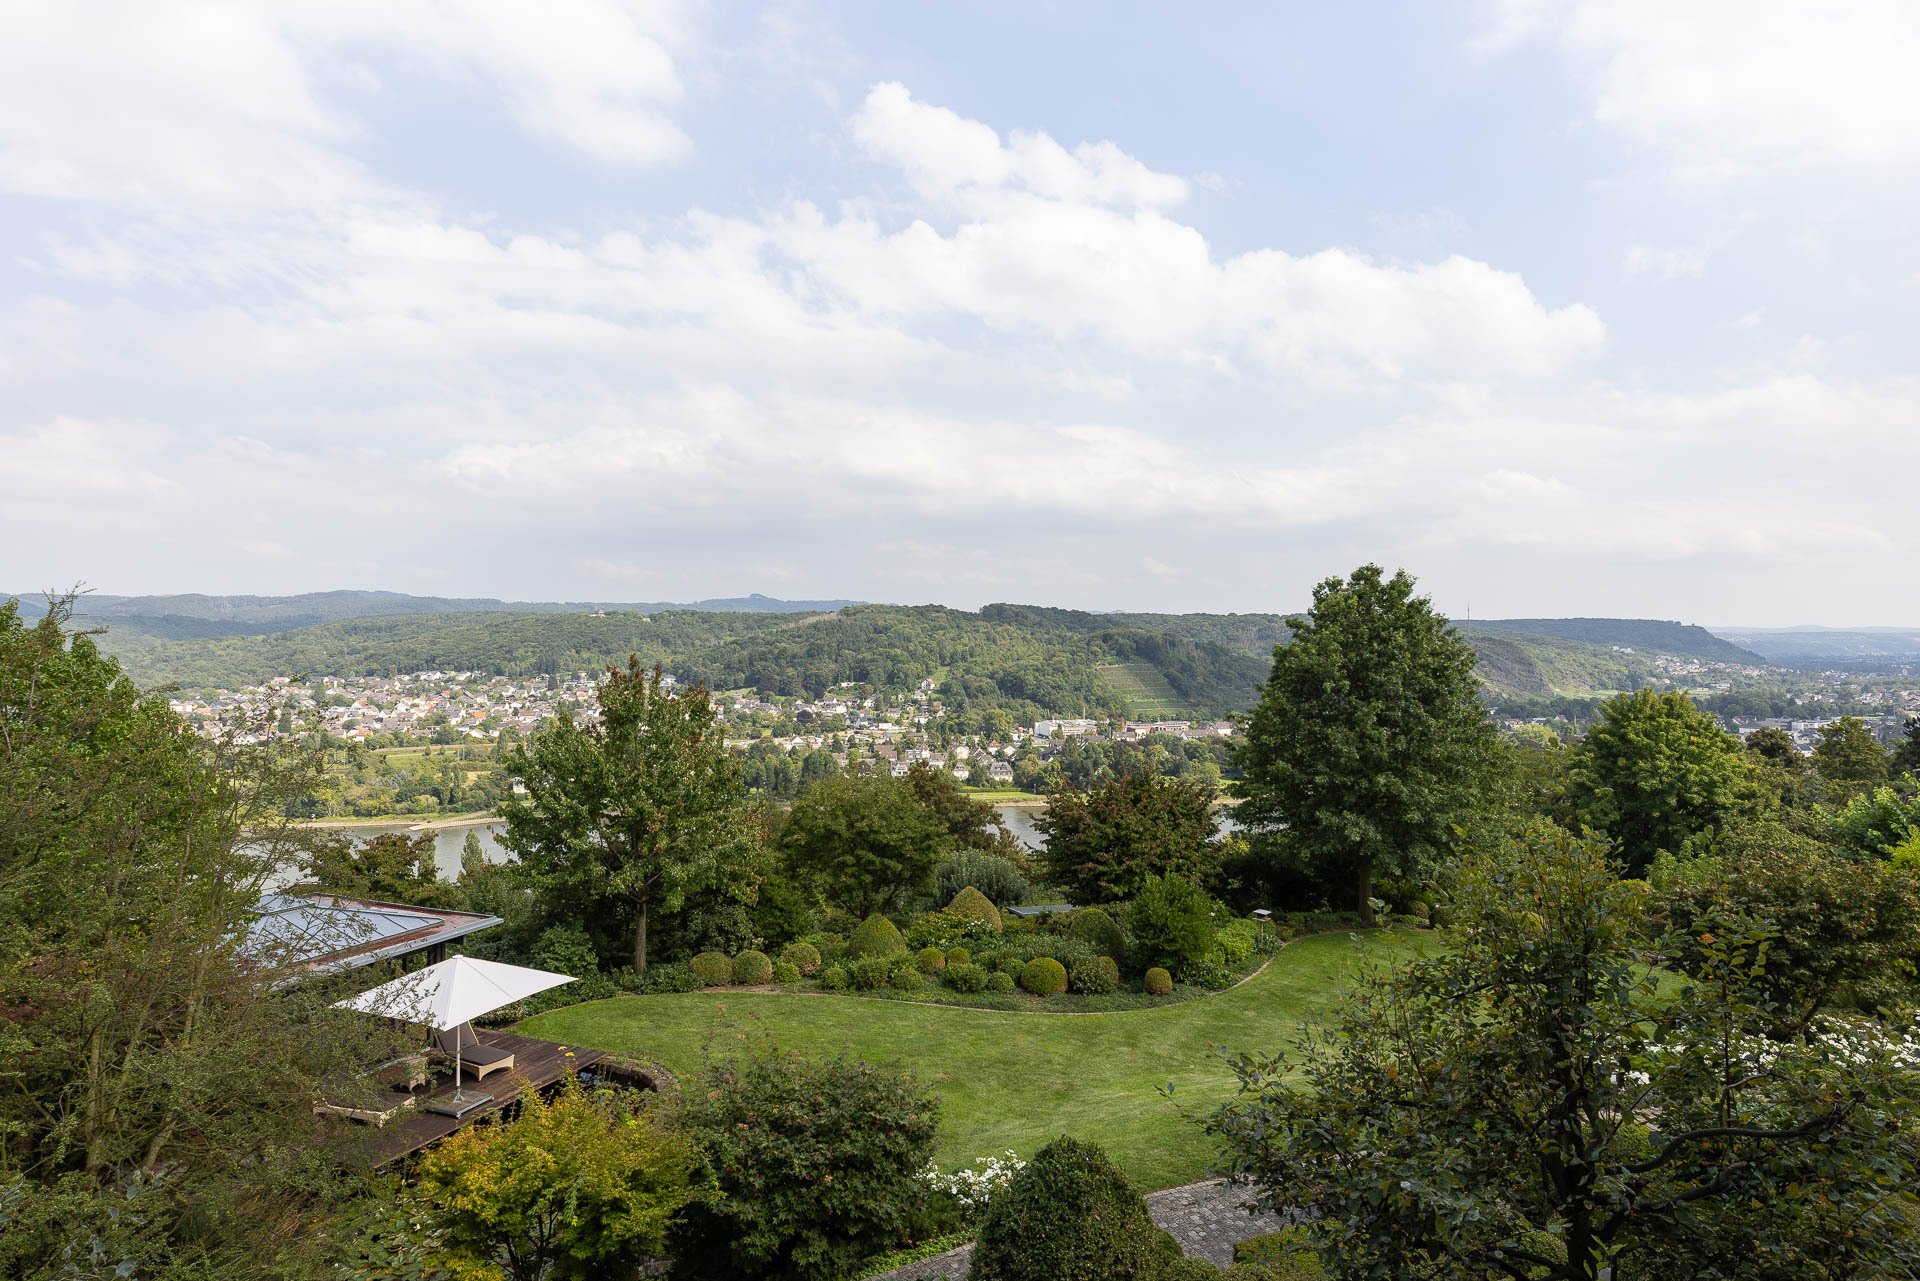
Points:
[[876, 936], [1157, 982], [1070, 1215], [752, 967], [1044, 976], [971, 902]]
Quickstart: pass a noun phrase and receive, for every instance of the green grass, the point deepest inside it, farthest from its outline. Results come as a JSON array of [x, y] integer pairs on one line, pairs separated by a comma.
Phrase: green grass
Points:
[[1012, 1080], [1146, 691]]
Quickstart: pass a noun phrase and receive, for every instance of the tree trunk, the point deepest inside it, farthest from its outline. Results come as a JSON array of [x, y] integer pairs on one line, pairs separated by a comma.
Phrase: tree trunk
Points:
[[640, 938], [1366, 889]]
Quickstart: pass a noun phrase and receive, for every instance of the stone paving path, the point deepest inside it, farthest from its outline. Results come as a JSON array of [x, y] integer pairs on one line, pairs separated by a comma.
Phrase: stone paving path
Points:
[[1207, 1219]]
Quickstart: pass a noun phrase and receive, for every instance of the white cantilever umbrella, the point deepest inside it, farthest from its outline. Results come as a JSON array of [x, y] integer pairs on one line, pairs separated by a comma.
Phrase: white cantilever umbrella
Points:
[[453, 992]]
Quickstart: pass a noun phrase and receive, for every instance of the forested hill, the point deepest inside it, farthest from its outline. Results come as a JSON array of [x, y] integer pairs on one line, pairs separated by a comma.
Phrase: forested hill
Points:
[[1030, 660], [195, 614], [1642, 635]]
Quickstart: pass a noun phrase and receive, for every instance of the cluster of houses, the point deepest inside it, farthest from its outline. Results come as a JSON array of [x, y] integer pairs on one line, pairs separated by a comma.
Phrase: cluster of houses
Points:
[[461, 705]]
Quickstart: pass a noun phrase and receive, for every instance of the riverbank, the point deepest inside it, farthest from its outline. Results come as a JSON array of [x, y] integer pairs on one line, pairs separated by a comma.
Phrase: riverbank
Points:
[[411, 822]]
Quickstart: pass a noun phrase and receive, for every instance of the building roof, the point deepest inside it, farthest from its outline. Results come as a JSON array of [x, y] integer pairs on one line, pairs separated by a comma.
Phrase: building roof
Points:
[[1041, 909], [330, 932]]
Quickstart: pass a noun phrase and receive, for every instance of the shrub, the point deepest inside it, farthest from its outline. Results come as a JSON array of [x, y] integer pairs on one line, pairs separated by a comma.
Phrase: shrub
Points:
[[971, 902], [999, 981], [966, 978], [1420, 910], [566, 950], [1277, 1256], [1171, 925], [786, 972], [946, 928], [802, 956], [663, 976], [1097, 930], [752, 967], [905, 976], [1044, 976], [992, 875], [834, 978], [876, 936], [1187, 1270], [869, 973], [1235, 941], [931, 960], [712, 968], [1070, 1215], [958, 956], [1209, 975], [576, 1188], [1157, 982], [1096, 976], [832, 947], [816, 1164], [1068, 951], [1009, 963]]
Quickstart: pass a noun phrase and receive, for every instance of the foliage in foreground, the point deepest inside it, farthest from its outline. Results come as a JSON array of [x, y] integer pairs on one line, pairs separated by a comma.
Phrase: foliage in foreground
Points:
[[579, 1188], [1069, 1215], [815, 1166], [1536, 1104]]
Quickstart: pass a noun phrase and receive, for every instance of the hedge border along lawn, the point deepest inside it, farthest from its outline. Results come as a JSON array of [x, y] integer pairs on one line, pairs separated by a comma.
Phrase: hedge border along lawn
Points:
[[1012, 1080]]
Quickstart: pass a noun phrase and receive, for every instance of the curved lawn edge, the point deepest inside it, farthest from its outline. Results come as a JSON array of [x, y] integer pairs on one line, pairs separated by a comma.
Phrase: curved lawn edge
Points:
[[1015, 1083]]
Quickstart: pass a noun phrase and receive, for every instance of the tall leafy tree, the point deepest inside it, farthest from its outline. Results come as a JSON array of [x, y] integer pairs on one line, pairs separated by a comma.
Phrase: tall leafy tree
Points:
[[1369, 744], [624, 815], [1848, 757], [156, 1069], [1537, 1104], [863, 842], [1103, 845], [1905, 758], [1656, 772], [967, 821]]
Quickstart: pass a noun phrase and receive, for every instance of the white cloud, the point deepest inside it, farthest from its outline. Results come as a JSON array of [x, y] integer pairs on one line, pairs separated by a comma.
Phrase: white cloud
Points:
[[1728, 84], [171, 102], [1665, 264]]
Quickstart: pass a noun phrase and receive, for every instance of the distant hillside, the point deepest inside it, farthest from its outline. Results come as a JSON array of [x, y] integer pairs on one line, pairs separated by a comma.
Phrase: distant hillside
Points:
[[194, 614], [1027, 659], [1829, 644], [1642, 635]]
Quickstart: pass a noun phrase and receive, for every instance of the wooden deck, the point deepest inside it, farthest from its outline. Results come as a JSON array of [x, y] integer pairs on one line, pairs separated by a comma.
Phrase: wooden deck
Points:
[[536, 1066]]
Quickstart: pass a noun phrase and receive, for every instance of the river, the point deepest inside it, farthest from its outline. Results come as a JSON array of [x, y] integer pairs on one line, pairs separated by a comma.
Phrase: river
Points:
[[450, 840]]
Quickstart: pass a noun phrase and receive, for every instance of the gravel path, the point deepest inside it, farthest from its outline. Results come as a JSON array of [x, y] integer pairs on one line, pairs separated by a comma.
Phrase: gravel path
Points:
[[1207, 1219]]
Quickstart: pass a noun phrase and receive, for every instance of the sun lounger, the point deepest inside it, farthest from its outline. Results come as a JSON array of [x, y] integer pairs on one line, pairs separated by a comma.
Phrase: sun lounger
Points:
[[476, 1056]]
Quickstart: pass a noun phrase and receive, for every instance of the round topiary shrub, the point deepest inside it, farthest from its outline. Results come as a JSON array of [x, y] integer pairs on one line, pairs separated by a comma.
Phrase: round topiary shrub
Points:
[[1187, 1270], [834, 978], [876, 936], [1098, 931], [802, 956], [904, 976], [959, 956], [1069, 1215], [931, 960], [971, 902], [712, 968], [1420, 910], [1044, 976], [1157, 982], [966, 978], [999, 981], [751, 967], [786, 972], [1095, 976], [869, 973]]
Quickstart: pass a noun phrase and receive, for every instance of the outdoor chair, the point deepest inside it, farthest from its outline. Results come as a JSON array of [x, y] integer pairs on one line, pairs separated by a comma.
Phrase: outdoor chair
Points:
[[475, 1055]]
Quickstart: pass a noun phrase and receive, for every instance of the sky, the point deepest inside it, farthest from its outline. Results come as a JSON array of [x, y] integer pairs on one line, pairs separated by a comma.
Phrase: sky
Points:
[[1568, 307]]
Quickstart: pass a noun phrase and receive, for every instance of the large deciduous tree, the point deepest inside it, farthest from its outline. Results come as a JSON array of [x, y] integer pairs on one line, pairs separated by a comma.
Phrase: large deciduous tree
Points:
[[623, 815], [1103, 845], [158, 1063], [1538, 1104], [1370, 744], [863, 842], [1656, 773], [1848, 758]]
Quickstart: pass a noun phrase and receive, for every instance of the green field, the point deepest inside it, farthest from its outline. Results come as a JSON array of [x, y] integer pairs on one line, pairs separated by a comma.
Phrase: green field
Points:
[[1149, 695], [1015, 1080]]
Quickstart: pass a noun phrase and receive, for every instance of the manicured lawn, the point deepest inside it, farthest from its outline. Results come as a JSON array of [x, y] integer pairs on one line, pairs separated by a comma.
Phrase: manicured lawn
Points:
[[1015, 1080]]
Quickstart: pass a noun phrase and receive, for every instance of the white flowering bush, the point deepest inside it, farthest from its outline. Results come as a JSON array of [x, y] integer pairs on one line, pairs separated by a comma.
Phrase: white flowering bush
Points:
[[975, 1186]]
